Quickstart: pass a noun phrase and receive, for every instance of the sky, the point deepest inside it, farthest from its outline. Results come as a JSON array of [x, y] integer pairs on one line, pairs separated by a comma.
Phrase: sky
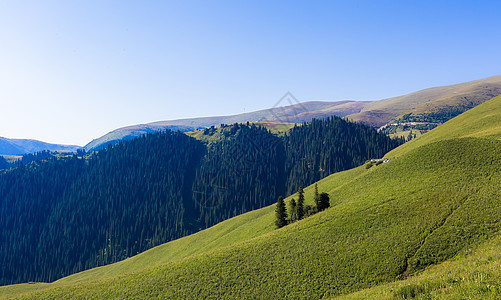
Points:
[[71, 71]]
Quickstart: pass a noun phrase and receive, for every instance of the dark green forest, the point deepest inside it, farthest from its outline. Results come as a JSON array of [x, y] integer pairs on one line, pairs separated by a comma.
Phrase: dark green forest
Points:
[[60, 215]]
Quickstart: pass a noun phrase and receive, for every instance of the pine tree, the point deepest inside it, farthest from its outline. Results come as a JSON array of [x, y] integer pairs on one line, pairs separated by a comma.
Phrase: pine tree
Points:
[[293, 210], [300, 204], [280, 213], [317, 197]]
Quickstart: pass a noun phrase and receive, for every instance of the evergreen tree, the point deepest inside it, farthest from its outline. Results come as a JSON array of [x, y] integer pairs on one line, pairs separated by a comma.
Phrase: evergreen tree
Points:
[[323, 202], [317, 196], [280, 213], [300, 204], [293, 210]]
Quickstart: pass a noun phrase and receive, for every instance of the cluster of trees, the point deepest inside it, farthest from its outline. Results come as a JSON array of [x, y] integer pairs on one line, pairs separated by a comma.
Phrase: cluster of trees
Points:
[[297, 210], [61, 215]]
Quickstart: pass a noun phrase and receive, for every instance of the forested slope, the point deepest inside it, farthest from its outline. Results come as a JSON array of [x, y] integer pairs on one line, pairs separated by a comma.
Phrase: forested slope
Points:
[[65, 214]]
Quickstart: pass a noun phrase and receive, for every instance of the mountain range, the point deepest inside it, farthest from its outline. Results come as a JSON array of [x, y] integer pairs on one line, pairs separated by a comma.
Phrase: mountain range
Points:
[[445, 102], [434, 105]]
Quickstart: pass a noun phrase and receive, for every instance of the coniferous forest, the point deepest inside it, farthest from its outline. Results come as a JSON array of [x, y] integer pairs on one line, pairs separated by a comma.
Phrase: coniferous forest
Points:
[[61, 215]]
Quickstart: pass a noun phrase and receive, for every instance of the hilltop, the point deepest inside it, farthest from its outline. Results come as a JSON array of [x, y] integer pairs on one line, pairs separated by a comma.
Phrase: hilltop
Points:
[[437, 197]]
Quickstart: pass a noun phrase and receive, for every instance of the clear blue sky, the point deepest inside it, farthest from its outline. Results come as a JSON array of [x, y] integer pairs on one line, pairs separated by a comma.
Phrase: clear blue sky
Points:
[[70, 71]]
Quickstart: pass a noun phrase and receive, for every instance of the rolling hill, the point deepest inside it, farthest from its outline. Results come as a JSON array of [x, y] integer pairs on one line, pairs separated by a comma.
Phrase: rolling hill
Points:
[[379, 113], [437, 197], [24, 146], [443, 103]]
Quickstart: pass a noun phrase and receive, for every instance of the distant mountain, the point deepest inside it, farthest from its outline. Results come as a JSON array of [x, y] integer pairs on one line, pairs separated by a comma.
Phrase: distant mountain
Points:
[[130, 132], [296, 112], [23, 146], [447, 101], [460, 97]]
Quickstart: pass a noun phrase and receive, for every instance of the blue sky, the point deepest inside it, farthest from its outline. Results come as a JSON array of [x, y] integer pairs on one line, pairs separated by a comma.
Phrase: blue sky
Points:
[[71, 71]]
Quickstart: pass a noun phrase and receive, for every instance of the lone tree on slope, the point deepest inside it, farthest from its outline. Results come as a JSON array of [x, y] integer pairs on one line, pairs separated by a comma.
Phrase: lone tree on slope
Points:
[[280, 213], [300, 204], [317, 196]]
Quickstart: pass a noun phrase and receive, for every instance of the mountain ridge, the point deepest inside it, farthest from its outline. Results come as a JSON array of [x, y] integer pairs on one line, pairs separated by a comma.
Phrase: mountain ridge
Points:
[[27, 146], [290, 110]]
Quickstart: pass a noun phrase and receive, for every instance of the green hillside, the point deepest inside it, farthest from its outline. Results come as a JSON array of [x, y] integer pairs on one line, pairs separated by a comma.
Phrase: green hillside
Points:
[[438, 196], [474, 273]]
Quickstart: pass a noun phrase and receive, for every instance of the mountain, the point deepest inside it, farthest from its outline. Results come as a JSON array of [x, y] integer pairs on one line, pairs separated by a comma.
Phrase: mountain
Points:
[[60, 215], [379, 113], [437, 104], [436, 199], [24, 146]]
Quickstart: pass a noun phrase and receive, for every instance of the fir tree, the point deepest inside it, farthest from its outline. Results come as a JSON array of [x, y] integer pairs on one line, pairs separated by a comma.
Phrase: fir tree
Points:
[[280, 213], [300, 204], [293, 210], [317, 196]]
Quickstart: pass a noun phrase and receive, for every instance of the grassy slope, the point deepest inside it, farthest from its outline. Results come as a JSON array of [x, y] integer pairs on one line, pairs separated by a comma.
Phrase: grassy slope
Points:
[[432, 200], [474, 273]]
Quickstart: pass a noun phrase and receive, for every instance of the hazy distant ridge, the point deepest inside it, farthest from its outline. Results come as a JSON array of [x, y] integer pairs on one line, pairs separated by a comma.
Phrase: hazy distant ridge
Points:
[[24, 146]]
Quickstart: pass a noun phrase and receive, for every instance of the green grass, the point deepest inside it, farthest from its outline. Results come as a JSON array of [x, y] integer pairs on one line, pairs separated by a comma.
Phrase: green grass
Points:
[[474, 273], [439, 196]]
